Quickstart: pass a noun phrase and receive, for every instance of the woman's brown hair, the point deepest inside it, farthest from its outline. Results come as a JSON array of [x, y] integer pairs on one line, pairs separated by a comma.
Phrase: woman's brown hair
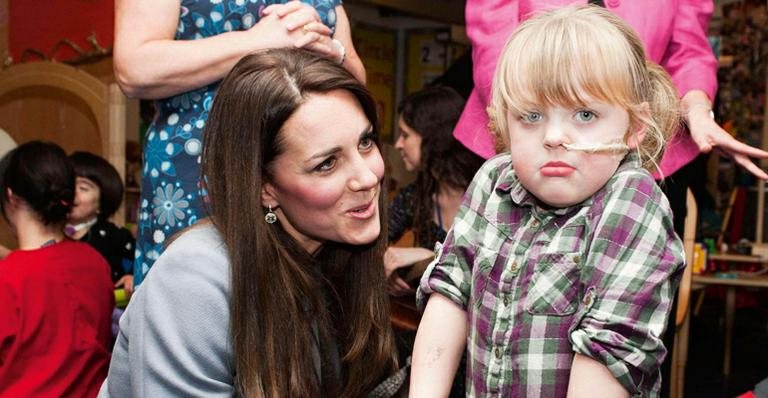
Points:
[[433, 113], [286, 303]]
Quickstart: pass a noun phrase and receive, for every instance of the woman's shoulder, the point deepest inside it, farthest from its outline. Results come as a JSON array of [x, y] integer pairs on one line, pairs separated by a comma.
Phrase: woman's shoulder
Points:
[[65, 251], [197, 257], [65, 258], [190, 278], [403, 197]]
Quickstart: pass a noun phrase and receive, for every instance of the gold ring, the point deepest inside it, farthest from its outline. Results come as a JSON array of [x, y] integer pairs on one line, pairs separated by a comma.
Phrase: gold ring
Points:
[[306, 27]]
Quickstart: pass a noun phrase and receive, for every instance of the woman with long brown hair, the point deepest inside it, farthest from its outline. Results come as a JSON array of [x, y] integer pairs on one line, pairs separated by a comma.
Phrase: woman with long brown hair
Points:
[[444, 168], [282, 293]]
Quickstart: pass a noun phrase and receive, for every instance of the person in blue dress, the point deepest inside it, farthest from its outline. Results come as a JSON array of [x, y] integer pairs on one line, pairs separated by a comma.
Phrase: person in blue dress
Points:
[[176, 53]]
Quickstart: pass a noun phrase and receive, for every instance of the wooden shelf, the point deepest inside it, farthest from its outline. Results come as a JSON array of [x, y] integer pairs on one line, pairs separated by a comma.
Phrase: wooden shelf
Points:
[[738, 258], [740, 280]]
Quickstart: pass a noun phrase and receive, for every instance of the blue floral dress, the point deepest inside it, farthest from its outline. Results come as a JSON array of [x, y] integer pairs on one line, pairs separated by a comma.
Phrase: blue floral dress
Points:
[[171, 196]]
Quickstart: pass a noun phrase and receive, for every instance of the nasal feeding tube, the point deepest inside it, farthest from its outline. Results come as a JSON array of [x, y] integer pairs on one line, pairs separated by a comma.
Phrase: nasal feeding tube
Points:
[[613, 146]]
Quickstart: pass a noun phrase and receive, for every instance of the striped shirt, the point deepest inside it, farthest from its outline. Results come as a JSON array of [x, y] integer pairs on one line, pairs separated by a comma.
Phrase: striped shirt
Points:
[[539, 285]]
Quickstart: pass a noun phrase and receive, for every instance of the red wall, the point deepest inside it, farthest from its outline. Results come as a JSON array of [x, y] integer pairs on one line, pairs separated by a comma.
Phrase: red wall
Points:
[[42, 24]]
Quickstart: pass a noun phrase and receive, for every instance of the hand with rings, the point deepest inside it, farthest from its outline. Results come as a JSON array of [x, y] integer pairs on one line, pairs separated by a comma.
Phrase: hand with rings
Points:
[[315, 36], [294, 15]]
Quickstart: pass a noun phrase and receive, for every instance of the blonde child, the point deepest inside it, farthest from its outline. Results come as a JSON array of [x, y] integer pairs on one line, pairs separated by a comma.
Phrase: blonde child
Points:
[[559, 270]]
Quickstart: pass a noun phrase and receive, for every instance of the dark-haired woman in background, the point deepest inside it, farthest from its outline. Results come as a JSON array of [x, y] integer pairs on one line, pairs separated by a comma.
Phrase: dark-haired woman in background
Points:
[[444, 169], [98, 194], [56, 295]]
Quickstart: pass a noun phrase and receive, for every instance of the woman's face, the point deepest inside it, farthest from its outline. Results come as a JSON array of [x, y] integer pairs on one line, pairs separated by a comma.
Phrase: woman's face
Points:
[[87, 196], [325, 185], [409, 144]]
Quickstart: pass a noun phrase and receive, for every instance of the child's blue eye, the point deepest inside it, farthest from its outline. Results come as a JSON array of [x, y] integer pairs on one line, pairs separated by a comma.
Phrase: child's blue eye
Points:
[[585, 116], [531, 117]]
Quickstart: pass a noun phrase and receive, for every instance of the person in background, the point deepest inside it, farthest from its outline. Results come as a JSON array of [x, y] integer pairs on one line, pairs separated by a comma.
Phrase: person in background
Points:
[[176, 52], [281, 293], [98, 194], [55, 294], [443, 168], [560, 269]]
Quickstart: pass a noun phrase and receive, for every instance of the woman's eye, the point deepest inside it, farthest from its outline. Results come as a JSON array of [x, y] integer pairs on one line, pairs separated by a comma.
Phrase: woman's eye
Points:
[[531, 117], [585, 116], [326, 165], [368, 141]]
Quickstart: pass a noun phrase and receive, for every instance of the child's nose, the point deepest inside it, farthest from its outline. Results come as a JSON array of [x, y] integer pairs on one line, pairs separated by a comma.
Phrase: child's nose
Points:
[[554, 135]]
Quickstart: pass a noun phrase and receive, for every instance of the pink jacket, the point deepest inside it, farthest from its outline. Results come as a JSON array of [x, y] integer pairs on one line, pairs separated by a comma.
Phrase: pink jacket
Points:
[[675, 37]]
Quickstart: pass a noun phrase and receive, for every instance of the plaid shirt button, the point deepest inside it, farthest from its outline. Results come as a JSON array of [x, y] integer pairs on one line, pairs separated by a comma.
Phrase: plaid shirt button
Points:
[[514, 268], [535, 223], [576, 259], [497, 352], [506, 300]]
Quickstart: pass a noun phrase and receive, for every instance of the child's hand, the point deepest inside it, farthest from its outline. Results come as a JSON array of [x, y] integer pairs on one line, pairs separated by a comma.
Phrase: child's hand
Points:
[[126, 282]]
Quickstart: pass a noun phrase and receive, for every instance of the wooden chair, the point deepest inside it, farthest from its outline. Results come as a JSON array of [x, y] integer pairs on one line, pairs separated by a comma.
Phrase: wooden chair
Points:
[[682, 319]]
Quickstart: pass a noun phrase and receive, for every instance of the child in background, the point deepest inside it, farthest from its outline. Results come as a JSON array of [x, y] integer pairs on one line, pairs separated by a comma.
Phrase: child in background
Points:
[[559, 270], [98, 194]]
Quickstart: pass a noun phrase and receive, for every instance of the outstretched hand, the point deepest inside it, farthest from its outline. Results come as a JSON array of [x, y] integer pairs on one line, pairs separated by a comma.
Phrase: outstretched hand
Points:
[[708, 135]]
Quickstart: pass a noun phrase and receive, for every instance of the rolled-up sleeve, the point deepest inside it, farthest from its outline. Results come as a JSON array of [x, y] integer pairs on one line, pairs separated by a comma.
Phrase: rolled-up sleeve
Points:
[[630, 275], [450, 274]]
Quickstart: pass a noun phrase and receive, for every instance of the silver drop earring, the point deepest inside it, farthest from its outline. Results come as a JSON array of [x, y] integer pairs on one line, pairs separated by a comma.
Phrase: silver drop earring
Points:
[[270, 217]]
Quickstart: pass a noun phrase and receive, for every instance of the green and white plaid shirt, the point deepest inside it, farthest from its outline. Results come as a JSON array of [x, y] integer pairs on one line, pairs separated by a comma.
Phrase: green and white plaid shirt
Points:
[[538, 286]]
